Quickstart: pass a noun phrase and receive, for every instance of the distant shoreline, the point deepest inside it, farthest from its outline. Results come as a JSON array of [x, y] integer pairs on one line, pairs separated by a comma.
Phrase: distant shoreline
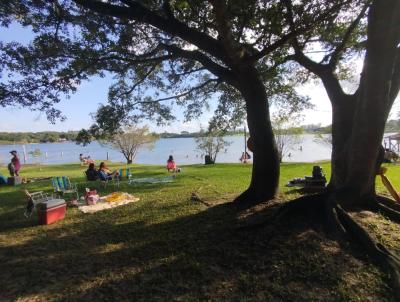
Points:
[[23, 143]]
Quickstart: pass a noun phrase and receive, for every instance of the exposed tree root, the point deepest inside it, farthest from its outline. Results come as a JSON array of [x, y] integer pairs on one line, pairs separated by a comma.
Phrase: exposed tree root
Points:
[[394, 205], [300, 204], [304, 203], [334, 227], [389, 212], [250, 198], [377, 251], [342, 228]]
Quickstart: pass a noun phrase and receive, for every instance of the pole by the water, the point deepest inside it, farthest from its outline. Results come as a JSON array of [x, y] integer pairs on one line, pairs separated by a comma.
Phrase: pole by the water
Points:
[[23, 147], [107, 156], [245, 141]]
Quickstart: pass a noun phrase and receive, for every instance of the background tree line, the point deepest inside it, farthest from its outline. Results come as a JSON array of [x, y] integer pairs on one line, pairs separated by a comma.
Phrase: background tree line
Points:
[[54, 136], [37, 137]]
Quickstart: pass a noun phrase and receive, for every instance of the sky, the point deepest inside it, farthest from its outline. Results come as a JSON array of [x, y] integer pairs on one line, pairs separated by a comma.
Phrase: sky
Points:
[[90, 94]]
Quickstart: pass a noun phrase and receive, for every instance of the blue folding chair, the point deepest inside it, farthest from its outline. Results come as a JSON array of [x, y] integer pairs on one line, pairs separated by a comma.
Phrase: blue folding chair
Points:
[[105, 179], [62, 185]]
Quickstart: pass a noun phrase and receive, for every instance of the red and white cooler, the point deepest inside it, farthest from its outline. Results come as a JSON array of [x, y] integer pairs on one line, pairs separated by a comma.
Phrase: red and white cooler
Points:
[[51, 211]]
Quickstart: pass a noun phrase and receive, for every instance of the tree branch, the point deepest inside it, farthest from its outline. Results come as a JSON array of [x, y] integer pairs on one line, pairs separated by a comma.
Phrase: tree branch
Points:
[[294, 31], [190, 71], [195, 55], [168, 10], [202, 85], [224, 27], [340, 48], [174, 27], [135, 85], [325, 73]]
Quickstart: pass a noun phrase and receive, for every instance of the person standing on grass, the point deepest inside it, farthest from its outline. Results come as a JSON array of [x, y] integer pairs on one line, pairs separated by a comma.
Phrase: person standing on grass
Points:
[[15, 165]]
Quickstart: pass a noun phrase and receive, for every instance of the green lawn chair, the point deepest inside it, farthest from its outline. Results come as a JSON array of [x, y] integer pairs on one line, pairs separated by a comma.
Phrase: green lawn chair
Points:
[[125, 173], [62, 185]]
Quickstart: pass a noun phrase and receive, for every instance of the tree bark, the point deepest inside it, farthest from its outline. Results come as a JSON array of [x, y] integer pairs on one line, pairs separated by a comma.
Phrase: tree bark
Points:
[[358, 120], [374, 99], [342, 124], [265, 173]]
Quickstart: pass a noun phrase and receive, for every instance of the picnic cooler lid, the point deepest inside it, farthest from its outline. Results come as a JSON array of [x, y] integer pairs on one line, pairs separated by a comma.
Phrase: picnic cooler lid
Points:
[[52, 203]]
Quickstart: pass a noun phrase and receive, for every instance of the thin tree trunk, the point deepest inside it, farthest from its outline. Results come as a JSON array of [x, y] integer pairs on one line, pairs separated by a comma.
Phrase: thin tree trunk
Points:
[[265, 173]]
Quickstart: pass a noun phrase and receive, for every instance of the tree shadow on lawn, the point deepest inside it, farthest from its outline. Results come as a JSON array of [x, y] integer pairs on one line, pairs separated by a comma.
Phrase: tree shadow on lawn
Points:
[[109, 257], [12, 208]]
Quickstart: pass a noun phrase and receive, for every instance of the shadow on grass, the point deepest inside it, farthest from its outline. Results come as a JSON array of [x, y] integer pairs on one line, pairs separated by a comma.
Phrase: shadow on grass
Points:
[[190, 258]]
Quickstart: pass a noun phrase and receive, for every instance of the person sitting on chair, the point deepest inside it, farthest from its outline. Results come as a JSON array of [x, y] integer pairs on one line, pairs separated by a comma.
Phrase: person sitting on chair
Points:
[[171, 165], [85, 160], [243, 158], [105, 173], [91, 173]]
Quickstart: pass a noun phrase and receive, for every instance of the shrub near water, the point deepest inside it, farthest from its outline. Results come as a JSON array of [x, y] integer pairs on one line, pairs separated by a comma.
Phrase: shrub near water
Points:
[[168, 247]]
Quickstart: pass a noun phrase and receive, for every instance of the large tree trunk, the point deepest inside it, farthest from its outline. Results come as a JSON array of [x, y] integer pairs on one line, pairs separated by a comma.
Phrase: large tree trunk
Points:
[[342, 124], [343, 108], [375, 96], [265, 173], [355, 159], [358, 120]]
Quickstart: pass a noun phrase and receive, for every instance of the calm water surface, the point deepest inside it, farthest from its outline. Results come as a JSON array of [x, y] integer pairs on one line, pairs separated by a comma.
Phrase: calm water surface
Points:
[[184, 151]]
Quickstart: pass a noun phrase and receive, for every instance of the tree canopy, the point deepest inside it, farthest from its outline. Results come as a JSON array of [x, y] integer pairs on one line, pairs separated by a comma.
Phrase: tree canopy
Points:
[[161, 53]]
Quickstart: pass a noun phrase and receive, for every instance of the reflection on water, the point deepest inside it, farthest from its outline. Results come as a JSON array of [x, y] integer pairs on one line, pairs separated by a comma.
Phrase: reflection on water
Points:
[[184, 151]]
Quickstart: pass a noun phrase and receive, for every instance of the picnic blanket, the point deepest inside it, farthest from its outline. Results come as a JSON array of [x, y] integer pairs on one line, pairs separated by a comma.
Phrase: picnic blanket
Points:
[[152, 180], [110, 201]]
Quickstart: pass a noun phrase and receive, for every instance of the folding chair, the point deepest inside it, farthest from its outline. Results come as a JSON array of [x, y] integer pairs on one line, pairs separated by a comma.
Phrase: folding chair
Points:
[[62, 185], [125, 172], [34, 199], [105, 179]]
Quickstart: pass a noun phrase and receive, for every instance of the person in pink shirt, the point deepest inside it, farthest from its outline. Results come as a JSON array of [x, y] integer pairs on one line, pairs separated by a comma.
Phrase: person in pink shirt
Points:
[[15, 164], [171, 165]]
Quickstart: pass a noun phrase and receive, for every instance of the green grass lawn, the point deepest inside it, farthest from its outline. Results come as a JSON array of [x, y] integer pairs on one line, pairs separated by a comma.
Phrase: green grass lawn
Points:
[[166, 247]]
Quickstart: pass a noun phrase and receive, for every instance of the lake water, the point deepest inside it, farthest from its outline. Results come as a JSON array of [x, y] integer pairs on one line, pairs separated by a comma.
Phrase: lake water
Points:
[[183, 149]]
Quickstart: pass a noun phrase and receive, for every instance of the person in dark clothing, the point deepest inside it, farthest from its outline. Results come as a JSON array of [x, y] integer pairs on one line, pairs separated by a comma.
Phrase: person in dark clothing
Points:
[[91, 173], [15, 165]]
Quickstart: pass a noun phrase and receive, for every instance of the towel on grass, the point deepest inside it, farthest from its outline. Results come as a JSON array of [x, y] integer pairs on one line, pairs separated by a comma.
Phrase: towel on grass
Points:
[[152, 180], [103, 204]]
